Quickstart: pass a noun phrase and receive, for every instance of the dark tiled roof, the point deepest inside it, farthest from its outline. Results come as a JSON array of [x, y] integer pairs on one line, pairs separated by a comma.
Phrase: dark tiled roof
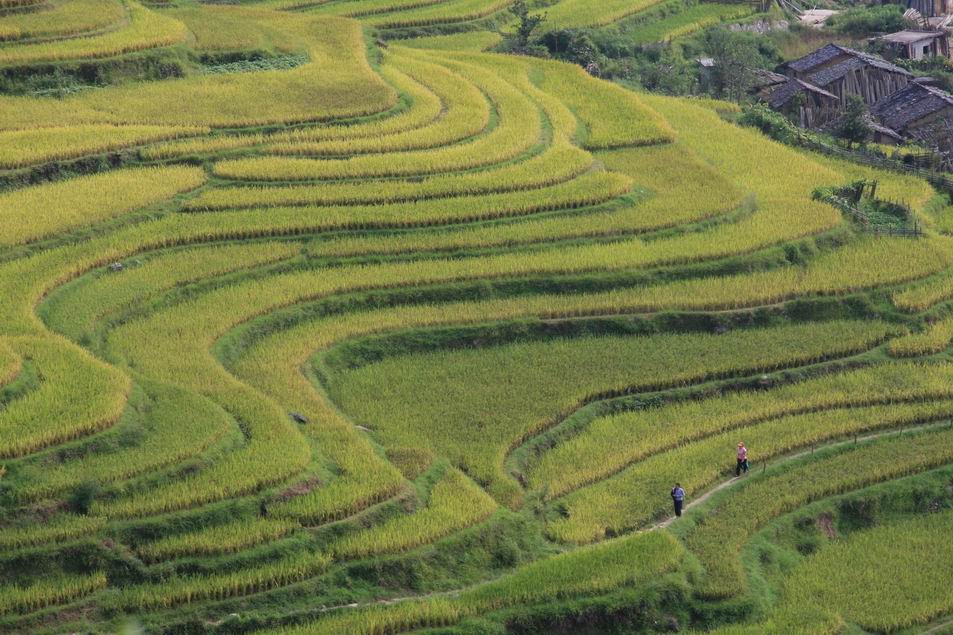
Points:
[[769, 76], [911, 104], [833, 73], [830, 52], [784, 93], [877, 62], [909, 37], [767, 79], [812, 60], [884, 130]]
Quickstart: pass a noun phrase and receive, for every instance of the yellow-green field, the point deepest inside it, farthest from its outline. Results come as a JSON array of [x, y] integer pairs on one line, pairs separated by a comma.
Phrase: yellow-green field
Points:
[[337, 332]]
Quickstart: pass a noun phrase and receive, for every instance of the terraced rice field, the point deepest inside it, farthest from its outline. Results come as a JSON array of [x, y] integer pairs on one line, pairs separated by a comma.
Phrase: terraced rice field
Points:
[[417, 322]]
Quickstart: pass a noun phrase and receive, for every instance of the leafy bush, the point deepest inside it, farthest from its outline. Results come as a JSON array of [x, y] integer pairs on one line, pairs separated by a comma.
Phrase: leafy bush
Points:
[[771, 123], [82, 496], [866, 20]]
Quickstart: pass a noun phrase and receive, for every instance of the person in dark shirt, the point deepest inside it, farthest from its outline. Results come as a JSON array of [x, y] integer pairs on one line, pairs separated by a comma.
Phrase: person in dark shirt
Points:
[[678, 498]]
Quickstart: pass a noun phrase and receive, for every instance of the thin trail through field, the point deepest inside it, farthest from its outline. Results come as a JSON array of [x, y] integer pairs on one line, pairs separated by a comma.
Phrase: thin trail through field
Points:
[[663, 524], [936, 628], [731, 482]]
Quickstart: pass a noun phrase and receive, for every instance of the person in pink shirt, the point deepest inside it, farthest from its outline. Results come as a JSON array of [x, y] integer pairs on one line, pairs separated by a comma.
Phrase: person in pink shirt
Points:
[[742, 459]]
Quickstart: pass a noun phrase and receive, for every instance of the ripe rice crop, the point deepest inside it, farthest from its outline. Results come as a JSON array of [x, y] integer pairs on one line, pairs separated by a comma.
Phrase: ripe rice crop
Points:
[[454, 503], [20, 148], [518, 129], [52, 590], [598, 568], [399, 617], [465, 41], [325, 504], [610, 443], [360, 8], [617, 117], [754, 232], [146, 29], [752, 162], [287, 5], [272, 445], [59, 529], [18, 4], [550, 304], [86, 200], [417, 79], [557, 163], [178, 425], [218, 539], [688, 21], [67, 18], [225, 28], [10, 364], [218, 586], [863, 264], [425, 106], [475, 417], [609, 506], [672, 203], [447, 12], [925, 294], [717, 541], [337, 82], [200, 146], [9, 32], [887, 578], [567, 14], [272, 366], [867, 262], [631, 560], [465, 112], [934, 339], [589, 189], [80, 395], [200, 399], [75, 310]]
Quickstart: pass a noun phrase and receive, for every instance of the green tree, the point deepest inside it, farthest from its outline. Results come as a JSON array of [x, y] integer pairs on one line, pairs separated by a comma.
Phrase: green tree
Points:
[[736, 56], [853, 127], [527, 23]]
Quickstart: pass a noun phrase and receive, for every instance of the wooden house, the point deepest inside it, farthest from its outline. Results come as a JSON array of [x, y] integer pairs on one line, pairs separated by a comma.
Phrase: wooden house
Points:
[[916, 45], [919, 112], [808, 105], [843, 72]]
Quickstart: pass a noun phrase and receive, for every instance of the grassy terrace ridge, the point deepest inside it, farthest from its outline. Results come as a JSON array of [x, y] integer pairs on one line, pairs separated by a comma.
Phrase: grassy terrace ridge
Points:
[[330, 317]]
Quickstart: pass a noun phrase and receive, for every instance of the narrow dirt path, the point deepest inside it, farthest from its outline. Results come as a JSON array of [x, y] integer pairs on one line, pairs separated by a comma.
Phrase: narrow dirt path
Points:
[[695, 502], [787, 458], [936, 628]]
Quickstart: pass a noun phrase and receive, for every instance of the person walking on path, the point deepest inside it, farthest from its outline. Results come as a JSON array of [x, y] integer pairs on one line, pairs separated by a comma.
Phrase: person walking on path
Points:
[[742, 459], [678, 497]]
